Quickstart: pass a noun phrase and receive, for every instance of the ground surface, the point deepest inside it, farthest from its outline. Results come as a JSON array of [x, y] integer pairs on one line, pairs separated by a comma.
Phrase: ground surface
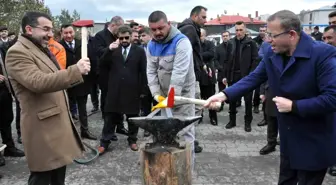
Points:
[[229, 157]]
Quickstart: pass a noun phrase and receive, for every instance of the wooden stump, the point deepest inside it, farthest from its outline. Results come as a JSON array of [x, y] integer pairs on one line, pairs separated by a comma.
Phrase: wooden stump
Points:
[[166, 166]]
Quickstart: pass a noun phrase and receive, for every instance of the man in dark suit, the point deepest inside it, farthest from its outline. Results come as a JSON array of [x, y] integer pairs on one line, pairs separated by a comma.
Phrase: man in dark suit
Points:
[[127, 78], [266, 96], [302, 75], [103, 40], [77, 94]]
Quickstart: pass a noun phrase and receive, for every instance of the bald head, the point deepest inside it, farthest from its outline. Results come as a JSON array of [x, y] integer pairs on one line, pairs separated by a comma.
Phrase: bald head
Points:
[[203, 34]]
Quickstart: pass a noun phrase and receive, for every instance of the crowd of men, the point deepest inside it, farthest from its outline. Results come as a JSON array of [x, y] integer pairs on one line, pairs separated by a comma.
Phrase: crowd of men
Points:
[[130, 68]]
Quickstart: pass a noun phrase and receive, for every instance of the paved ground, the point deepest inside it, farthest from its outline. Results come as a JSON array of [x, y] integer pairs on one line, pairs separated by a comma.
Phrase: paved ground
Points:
[[229, 157]]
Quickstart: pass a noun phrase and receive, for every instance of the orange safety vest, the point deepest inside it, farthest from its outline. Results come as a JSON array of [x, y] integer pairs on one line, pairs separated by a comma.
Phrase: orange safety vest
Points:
[[58, 50]]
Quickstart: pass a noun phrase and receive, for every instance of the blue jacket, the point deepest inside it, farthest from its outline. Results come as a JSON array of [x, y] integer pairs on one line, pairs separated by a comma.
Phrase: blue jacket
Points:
[[308, 133], [263, 49]]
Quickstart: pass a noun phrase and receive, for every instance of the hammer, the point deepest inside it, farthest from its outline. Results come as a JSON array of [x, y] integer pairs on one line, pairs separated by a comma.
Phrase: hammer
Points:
[[173, 100], [84, 24]]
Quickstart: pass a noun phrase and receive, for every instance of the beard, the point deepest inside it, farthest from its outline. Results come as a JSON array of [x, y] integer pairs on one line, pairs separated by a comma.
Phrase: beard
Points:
[[125, 44], [43, 40]]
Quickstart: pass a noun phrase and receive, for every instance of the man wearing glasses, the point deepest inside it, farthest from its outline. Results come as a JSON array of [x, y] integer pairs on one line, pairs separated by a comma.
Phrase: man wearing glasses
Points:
[[49, 136], [302, 75]]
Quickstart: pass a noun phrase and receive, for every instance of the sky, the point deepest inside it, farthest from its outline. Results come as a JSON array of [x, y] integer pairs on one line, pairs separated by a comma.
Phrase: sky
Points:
[[177, 10]]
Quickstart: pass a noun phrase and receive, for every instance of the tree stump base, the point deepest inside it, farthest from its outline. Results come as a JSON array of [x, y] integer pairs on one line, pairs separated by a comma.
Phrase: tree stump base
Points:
[[164, 165]]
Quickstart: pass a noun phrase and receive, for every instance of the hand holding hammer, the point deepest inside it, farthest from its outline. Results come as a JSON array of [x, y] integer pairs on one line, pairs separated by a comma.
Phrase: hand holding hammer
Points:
[[84, 24]]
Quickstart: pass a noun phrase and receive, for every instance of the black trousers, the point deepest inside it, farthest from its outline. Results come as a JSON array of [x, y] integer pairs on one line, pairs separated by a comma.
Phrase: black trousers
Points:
[[206, 92], [256, 97], [102, 100], [248, 103], [18, 117], [94, 94], [272, 130], [53, 177], [72, 104], [289, 176], [264, 111], [111, 120], [6, 117], [82, 113]]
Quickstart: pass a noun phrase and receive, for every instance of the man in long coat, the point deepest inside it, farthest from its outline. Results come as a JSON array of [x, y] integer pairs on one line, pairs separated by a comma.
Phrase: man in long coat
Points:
[[302, 75], [49, 136]]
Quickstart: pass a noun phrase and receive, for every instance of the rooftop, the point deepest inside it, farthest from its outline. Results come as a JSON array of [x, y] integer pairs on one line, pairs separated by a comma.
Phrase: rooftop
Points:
[[232, 19]]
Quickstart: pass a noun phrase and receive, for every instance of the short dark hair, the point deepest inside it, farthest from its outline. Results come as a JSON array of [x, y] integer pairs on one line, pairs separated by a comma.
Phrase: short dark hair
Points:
[[132, 24], [156, 16], [240, 23], [63, 26], [145, 30], [333, 27], [288, 20], [125, 29], [226, 31], [197, 10], [3, 28], [11, 33], [332, 14], [30, 18]]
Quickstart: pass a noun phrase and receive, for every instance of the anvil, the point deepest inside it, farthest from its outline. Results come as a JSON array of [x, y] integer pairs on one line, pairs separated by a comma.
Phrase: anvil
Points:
[[164, 129]]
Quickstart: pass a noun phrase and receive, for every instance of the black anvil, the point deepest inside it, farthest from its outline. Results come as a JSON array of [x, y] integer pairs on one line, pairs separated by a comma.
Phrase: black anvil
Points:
[[163, 128]]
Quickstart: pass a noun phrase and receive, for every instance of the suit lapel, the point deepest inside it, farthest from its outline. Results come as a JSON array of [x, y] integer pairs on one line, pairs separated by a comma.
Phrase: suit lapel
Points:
[[66, 46], [38, 53], [78, 45], [276, 61], [130, 53]]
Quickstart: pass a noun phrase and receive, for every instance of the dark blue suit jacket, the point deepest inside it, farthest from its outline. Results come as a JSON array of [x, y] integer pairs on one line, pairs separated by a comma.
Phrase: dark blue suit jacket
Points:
[[308, 135]]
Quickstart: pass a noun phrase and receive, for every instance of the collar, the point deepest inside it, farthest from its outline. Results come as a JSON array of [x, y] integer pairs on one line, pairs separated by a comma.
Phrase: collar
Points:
[[128, 47], [303, 48], [4, 40]]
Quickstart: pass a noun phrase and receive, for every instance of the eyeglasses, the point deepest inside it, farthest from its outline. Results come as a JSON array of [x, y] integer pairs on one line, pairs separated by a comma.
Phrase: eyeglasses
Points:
[[122, 38], [45, 29], [271, 36]]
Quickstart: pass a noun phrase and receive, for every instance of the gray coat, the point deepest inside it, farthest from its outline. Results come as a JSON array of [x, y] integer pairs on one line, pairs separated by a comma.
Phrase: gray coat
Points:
[[170, 64]]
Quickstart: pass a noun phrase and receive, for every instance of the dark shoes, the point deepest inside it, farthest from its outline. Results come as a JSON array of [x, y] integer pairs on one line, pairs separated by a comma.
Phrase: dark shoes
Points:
[[88, 135], [198, 149], [267, 149], [13, 152], [230, 125], [262, 123]]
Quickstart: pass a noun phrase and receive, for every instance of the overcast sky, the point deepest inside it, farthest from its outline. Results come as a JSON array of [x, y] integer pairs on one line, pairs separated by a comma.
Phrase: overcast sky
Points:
[[177, 10]]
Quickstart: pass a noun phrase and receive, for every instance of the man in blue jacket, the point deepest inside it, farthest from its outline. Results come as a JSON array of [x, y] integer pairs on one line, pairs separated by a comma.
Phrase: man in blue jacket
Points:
[[302, 75]]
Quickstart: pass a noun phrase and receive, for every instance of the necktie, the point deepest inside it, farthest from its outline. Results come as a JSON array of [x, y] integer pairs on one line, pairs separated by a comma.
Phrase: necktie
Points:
[[70, 45], [125, 54]]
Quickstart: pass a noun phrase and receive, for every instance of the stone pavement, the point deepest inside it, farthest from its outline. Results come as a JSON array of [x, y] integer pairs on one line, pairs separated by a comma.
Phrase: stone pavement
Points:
[[229, 157]]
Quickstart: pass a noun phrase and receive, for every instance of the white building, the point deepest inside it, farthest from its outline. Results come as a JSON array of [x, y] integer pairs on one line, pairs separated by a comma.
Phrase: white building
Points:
[[318, 17]]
